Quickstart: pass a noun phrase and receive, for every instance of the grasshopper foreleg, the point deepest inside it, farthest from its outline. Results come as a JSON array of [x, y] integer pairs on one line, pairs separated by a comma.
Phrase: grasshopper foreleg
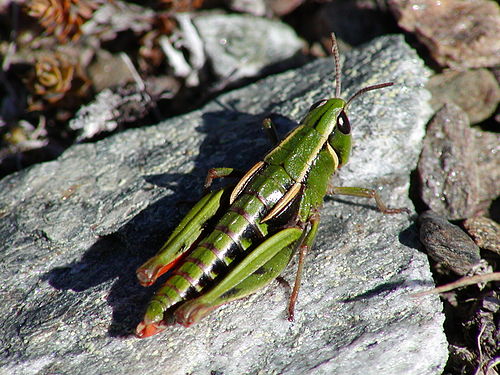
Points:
[[214, 173], [271, 131], [366, 193]]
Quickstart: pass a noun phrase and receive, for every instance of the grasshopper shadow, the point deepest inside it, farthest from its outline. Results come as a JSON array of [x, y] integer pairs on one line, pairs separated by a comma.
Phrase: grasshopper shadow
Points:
[[233, 139]]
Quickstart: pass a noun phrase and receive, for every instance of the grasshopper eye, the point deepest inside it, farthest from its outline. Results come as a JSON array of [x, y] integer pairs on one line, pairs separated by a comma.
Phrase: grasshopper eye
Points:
[[343, 123], [318, 104]]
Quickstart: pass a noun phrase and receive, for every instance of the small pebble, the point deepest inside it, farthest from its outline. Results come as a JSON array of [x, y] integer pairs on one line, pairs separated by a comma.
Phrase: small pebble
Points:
[[447, 244], [485, 232]]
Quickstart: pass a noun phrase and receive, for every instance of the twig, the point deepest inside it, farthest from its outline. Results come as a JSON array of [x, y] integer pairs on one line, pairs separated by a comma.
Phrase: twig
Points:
[[135, 74], [194, 45], [480, 359], [464, 281], [175, 57]]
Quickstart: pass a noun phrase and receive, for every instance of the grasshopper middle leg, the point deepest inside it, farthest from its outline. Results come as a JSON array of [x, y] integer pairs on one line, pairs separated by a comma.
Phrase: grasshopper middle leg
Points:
[[366, 193]]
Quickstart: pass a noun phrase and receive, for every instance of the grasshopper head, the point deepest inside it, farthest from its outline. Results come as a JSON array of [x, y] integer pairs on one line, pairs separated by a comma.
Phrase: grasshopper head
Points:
[[329, 116]]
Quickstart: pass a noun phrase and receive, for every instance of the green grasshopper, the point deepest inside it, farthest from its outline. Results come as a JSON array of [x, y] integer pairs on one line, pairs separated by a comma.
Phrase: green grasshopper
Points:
[[236, 240]]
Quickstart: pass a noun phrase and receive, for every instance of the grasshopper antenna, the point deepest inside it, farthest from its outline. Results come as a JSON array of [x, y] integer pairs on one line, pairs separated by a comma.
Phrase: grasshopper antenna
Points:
[[336, 59], [369, 88]]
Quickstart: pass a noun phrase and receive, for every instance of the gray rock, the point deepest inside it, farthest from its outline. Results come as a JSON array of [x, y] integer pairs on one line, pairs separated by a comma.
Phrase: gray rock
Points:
[[255, 7], [241, 46], [74, 230], [452, 184], [485, 145], [476, 92], [448, 244], [458, 34]]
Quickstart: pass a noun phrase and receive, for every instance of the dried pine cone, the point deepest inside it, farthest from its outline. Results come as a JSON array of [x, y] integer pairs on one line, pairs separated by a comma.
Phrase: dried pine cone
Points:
[[54, 77], [62, 18]]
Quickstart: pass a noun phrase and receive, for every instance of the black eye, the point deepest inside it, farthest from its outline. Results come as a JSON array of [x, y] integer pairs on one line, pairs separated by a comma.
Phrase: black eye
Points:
[[343, 123], [318, 104]]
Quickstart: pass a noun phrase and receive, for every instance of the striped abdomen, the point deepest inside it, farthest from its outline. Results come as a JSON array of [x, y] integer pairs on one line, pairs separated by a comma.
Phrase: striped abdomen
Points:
[[234, 234]]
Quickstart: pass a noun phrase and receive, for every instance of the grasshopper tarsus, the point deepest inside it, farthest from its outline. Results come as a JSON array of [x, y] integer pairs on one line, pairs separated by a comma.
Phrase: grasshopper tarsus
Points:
[[271, 131], [367, 193], [396, 211], [214, 173]]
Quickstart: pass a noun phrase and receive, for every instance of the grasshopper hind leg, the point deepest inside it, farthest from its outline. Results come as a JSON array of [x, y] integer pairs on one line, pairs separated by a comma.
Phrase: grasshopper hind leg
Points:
[[255, 271]]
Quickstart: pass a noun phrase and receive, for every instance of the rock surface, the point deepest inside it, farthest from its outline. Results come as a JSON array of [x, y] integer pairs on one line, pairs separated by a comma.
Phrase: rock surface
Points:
[[477, 92], [485, 232], [240, 46], [449, 182], [458, 34], [74, 230], [451, 185], [448, 244]]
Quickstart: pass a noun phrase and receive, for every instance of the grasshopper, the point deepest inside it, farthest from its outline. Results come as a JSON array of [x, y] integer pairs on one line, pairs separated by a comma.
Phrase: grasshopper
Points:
[[236, 240]]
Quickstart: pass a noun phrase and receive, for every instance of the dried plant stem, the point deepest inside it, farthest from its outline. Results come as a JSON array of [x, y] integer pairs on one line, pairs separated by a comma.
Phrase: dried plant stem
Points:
[[464, 281]]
